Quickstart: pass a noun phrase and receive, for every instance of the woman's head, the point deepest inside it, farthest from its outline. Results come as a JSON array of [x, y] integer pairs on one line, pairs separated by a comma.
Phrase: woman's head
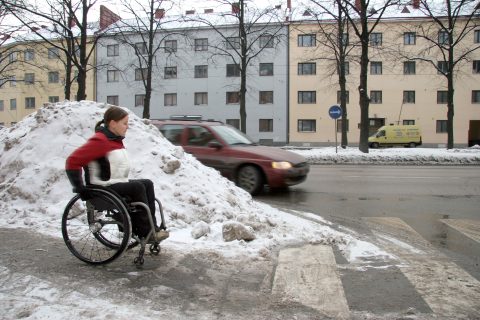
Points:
[[116, 120]]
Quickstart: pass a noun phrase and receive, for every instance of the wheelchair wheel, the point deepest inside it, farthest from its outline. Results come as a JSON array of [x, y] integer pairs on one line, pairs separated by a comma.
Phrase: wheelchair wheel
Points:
[[96, 231]]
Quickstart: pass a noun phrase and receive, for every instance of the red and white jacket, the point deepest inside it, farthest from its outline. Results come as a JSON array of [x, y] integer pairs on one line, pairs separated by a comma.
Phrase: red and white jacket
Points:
[[105, 156]]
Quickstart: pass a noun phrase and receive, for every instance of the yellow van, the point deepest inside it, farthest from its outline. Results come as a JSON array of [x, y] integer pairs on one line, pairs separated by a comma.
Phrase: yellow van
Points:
[[396, 135]]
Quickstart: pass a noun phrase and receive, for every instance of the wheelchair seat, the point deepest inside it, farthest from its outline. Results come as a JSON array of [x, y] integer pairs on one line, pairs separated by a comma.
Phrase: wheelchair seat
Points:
[[97, 228]]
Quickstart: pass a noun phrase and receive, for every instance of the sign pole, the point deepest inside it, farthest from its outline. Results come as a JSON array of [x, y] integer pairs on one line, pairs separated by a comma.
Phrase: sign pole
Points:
[[335, 112]]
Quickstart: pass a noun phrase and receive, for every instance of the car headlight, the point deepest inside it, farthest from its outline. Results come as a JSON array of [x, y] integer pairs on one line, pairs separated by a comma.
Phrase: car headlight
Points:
[[281, 165]]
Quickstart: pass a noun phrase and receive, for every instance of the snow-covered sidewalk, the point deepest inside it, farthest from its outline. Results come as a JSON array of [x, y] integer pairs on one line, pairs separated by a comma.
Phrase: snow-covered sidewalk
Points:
[[391, 156]]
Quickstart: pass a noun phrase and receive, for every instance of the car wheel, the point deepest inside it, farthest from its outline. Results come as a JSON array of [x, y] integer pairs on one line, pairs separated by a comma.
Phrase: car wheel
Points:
[[250, 179], [375, 145], [412, 145]]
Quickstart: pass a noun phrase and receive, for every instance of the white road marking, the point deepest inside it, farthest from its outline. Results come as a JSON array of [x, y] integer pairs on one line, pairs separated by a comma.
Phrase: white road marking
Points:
[[308, 275], [469, 227], [450, 291]]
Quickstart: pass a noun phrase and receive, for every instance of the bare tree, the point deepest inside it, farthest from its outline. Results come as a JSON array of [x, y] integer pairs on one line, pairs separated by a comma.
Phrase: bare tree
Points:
[[7, 52], [450, 24], [364, 16], [256, 29], [74, 34], [147, 24], [333, 27]]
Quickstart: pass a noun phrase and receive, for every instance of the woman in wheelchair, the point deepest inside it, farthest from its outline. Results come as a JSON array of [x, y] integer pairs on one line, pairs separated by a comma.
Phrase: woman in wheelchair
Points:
[[106, 164]]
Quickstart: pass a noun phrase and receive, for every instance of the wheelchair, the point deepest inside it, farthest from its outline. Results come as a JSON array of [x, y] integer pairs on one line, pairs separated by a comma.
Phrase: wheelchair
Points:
[[97, 229]]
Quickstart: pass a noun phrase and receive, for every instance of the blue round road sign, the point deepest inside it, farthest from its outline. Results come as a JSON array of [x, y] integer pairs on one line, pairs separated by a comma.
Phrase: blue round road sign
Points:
[[335, 112]]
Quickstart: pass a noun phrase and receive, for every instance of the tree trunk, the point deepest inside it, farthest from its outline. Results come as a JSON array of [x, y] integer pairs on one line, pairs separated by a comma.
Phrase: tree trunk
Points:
[[243, 70], [364, 99]]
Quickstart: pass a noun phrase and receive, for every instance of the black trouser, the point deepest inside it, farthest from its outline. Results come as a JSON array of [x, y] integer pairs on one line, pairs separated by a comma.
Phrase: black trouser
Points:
[[139, 190]]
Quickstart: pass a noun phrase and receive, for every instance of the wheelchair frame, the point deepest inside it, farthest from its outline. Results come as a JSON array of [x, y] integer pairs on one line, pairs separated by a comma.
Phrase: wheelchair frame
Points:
[[98, 229]]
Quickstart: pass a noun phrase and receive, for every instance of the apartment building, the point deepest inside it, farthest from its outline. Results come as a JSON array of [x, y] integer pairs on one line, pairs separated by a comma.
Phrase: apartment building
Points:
[[401, 90], [195, 75], [35, 76]]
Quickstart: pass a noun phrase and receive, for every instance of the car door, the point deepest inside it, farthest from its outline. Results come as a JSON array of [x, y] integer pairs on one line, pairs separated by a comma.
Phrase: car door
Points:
[[197, 143]]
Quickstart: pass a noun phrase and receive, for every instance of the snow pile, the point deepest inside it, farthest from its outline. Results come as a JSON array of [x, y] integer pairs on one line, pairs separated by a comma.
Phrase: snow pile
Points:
[[391, 156], [34, 188]]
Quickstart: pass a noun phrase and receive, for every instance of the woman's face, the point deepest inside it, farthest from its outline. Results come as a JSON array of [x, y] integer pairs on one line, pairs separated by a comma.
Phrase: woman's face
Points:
[[119, 127]]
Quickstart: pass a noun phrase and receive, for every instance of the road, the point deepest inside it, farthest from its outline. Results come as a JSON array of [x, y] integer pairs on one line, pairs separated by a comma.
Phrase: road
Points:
[[418, 215]]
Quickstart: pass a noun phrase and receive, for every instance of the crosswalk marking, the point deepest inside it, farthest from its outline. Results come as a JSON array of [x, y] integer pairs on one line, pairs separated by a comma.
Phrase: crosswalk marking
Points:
[[309, 275], [470, 228], [448, 289]]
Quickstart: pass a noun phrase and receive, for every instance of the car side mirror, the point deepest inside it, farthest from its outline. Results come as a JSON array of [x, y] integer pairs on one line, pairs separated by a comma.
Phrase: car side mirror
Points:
[[215, 144]]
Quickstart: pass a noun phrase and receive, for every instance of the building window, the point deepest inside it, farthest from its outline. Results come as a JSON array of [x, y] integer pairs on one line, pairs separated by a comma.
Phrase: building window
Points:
[[234, 123], [307, 68], [29, 78], [266, 41], [306, 97], [408, 122], [307, 125], [442, 67], [170, 72], [233, 97], [139, 100], [53, 77], [306, 40], [266, 97], [409, 38], [442, 97], [376, 39], [141, 74], [476, 36], [12, 57], [376, 96], [112, 50], [232, 43], [30, 103], [265, 125], [347, 96], [1, 105], [13, 81], [475, 96], [409, 67], [201, 98], [29, 54], [375, 67], [13, 104], [266, 69], [113, 75], [476, 66], [441, 126], [53, 53], [140, 48], [170, 46], [170, 99], [346, 67], [442, 37], [53, 99], [339, 125], [408, 96], [201, 71], [201, 44], [233, 70], [113, 100], [344, 40]]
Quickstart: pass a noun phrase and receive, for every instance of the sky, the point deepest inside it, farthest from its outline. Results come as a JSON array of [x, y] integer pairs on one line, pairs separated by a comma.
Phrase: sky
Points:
[[34, 190]]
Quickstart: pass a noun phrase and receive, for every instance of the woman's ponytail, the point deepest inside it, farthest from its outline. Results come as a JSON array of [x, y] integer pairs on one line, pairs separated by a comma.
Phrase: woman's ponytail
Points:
[[99, 123]]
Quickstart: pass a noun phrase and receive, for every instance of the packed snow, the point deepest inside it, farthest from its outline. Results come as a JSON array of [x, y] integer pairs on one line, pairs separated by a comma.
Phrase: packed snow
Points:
[[197, 202]]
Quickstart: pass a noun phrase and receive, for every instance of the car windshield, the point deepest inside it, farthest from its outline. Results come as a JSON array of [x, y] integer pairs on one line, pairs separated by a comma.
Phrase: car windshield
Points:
[[232, 136]]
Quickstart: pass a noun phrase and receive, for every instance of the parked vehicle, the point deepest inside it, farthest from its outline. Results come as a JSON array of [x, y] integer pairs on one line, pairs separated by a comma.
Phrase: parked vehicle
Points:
[[396, 135], [228, 150]]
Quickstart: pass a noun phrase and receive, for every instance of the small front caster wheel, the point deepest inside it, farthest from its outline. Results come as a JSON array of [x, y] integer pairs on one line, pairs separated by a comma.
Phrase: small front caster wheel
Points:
[[155, 249], [138, 261]]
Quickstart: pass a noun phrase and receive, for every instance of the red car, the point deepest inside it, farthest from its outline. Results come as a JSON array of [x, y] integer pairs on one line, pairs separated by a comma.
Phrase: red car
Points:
[[228, 150]]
